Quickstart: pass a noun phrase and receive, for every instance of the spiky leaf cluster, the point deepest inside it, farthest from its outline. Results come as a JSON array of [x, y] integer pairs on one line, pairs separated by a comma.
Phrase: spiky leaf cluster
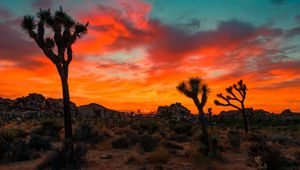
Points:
[[65, 32], [193, 87]]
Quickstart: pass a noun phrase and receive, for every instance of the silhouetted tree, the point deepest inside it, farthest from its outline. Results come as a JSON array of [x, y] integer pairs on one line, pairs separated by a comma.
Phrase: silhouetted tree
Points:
[[191, 89], [210, 117], [59, 50], [241, 88]]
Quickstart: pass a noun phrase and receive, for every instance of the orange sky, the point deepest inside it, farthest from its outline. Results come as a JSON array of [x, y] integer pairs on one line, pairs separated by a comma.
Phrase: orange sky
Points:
[[131, 61]]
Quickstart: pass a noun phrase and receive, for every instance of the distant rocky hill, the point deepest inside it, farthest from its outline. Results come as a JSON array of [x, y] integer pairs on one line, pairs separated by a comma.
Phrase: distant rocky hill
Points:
[[95, 110], [255, 114]]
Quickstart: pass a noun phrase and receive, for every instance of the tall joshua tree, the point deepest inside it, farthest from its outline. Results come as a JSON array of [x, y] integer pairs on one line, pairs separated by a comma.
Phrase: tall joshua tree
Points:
[[58, 49], [241, 88], [191, 89]]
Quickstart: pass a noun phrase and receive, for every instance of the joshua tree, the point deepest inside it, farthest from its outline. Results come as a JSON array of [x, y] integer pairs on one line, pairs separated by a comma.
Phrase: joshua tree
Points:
[[241, 88], [210, 117], [191, 89], [59, 50]]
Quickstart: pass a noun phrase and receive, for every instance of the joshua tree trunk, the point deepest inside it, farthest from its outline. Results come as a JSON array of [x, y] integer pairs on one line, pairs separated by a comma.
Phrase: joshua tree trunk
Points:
[[203, 125], [245, 118], [63, 73]]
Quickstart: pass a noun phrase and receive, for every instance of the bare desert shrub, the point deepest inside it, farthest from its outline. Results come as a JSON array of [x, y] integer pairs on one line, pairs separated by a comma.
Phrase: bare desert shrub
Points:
[[13, 147], [49, 128], [159, 156], [120, 142], [57, 160], [39, 142], [270, 156], [148, 143], [234, 139]]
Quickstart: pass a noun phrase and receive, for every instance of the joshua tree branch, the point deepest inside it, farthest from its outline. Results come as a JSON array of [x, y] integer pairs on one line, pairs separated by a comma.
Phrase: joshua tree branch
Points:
[[69, 54], [239, 90], [228, 103]]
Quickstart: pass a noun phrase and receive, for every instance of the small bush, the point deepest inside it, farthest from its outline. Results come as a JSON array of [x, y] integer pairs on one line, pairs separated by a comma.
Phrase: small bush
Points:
[[120, 142], [181, 127], [87, 133], [234, 138], [149, 125], [133, 138], [215, 146], [171, 145], [159, 156], [256, 137], [148, 143], [12, 146], [272, 157], [49, 128], [57, 160], [178, 137], [39, 142]]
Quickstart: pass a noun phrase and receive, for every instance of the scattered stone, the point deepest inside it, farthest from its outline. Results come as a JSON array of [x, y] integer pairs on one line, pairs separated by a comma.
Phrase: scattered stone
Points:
[[105, 156]]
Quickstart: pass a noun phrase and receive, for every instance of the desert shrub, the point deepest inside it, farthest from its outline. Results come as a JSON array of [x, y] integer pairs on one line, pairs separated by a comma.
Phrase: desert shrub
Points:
[[171, 145], [132, 137], [256, 137], [159, 156], [201, 160], [215, 146], [148, 143], [272, 157], [149, 125], [234, 138], [13, 147], [178, 137], [49, 128], [181, 127], [297, 158], [285, 140], [39, 142], [57, 161], [120, 142], [87, 133]]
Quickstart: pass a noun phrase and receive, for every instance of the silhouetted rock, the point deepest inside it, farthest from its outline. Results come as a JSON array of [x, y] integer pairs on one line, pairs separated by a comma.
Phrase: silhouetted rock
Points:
[[251, 114], [5, 104], [34, 106], [288, 113], [95, 110], [174, 111]]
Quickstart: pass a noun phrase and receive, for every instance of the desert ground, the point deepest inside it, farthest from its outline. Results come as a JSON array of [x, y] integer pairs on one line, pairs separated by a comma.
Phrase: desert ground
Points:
[[168, 139]]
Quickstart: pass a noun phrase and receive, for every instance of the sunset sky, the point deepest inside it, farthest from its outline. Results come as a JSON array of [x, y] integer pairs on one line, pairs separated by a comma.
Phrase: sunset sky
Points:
[[137, 51]]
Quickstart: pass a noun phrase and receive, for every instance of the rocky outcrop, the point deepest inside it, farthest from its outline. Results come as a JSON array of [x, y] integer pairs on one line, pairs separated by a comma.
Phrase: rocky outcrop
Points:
[[5, 104], [257, 115], [251, 114], [94, 110], [174, 111], [289, 113], [57, 106], [34, 106]]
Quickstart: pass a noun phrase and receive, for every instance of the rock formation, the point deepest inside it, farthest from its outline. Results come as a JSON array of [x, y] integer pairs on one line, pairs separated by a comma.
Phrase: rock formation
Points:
[[174, 111], [94, 110]]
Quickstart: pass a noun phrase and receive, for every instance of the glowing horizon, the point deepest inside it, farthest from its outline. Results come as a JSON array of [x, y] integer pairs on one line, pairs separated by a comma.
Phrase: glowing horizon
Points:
[[136, 52]]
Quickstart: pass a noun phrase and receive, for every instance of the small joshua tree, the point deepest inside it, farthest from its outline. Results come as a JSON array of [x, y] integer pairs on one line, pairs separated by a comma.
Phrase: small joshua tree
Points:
[[59, 51], [191, 89], [241, 88]]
